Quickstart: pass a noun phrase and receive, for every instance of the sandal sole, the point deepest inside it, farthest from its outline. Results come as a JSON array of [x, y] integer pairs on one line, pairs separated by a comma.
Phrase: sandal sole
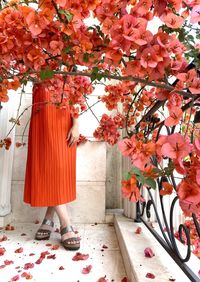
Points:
[[71, 248], [42, 238]]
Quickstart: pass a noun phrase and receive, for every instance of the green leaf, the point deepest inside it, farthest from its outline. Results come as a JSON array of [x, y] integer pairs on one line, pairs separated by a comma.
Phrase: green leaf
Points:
[[44, 74], [140, 178], [157, 170], [95, 74], [127, 176], [135, 170], [86, 57], [67, 50], [68, 15], [24, 81], [150, 182]]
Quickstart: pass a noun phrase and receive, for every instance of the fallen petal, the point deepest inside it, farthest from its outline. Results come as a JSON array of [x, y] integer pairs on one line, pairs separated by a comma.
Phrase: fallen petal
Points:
[[28, 265], [15, 278], [7, 262], [55, 247], [79, 256], [39, 260], [150, 275], [44, 254], [61, 268], [3, 238], [20, 250], [86, 269], [51, 256], [102, 279], [125, 279], [2, 251], [138, 230], [148, 253], [26, 275]]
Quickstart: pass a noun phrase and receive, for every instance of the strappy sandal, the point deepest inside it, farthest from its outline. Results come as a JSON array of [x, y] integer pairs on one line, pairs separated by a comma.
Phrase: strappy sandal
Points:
[[65, 243], [44, 234]]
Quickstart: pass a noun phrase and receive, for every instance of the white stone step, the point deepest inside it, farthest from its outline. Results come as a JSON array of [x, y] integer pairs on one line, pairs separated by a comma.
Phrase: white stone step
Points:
[[137, 265]]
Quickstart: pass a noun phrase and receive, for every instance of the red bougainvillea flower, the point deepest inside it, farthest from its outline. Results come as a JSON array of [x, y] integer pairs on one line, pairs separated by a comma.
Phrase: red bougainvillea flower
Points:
[[36, 22], [189, 207], [56, 47], [81, 140], [173, 21], [138, 152], [175, 117], [194, 87], [149, 58], [107, 130], [142, 7], [195, 14], [188, 76], [130, 189], [127, 146], [86, 269], [189, 196], [143, 154], [167, 189], [176, 147]]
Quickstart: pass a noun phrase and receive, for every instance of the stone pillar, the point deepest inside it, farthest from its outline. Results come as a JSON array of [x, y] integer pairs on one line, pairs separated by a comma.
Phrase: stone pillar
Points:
[[6, 156]]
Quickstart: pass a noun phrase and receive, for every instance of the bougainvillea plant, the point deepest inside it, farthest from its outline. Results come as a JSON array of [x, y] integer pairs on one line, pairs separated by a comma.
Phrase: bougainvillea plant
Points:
[[148, 48]]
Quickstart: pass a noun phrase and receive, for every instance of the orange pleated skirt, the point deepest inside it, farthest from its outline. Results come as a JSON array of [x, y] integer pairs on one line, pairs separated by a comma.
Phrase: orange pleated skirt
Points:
[[50, 177]]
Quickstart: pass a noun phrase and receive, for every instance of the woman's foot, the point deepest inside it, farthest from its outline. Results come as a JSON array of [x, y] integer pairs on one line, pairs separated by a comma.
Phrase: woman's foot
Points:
[[69, 237], [44, 232]]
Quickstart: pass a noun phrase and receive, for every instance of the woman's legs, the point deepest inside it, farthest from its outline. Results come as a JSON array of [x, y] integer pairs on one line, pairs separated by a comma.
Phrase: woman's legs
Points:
[[64, 219], [48, 215]]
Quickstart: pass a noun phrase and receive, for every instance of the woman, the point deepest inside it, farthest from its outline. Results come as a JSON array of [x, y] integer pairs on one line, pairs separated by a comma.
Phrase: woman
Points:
[[50, 178]]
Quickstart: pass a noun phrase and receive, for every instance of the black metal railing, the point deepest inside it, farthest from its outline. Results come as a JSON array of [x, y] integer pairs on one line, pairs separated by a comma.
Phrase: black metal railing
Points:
[[166, 236]]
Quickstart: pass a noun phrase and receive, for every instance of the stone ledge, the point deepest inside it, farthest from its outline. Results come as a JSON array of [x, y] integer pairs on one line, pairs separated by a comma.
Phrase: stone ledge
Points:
[[4, 220], [137, 265]]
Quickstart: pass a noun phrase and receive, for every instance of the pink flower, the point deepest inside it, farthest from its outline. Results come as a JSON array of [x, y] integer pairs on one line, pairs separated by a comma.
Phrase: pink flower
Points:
[[127, 146], [195, 14], [176, 147]]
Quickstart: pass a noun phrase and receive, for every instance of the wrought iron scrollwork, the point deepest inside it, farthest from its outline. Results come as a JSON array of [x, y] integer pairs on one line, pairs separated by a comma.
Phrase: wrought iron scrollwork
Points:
[[167, 237]]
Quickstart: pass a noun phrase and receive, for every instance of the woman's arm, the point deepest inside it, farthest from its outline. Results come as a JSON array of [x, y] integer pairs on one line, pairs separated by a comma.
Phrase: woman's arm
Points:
[[73, 134]]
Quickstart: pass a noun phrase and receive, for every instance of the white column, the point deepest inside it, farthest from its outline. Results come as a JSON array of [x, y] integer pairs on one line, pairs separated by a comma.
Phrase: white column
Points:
[[6, 156]]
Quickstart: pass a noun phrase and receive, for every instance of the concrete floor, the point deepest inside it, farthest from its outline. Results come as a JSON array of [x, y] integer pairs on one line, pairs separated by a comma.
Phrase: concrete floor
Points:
[[104, 261]]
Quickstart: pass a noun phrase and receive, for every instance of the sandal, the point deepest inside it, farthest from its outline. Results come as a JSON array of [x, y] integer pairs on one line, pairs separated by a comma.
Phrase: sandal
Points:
[[44, 234], [65, 243]]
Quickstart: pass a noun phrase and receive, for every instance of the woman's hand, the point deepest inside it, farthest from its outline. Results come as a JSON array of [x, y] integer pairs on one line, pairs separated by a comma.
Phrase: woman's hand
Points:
[[73, 135]]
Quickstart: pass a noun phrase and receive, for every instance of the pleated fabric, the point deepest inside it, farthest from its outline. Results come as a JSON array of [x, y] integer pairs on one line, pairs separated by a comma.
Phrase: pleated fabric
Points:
[[50, 177]]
